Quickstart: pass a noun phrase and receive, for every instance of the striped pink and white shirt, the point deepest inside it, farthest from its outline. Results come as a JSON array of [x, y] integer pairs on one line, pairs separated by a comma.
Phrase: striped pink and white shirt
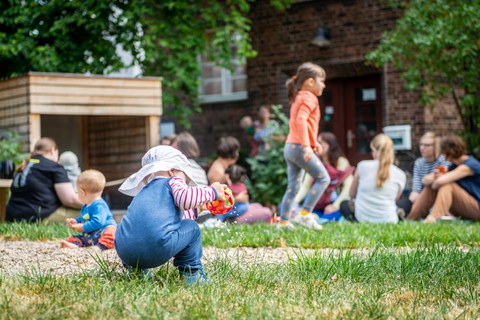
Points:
[[188, 198]]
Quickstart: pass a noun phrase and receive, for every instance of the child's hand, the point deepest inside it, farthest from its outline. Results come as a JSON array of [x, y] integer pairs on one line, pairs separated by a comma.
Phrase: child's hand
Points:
[[308, 153], [78, 227], [201, 208], [439, 171], [220, 188], [70, 221]]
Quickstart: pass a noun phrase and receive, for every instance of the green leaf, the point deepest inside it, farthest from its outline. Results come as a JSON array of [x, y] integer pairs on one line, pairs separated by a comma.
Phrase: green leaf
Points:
[[435, 45]]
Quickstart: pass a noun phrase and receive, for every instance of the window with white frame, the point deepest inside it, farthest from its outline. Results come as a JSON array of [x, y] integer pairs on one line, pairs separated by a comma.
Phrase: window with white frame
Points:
[[219, 84]]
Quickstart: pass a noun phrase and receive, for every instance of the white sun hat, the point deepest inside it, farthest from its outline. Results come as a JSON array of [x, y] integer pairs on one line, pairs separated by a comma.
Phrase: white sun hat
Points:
[[159, 158], [69, 160]]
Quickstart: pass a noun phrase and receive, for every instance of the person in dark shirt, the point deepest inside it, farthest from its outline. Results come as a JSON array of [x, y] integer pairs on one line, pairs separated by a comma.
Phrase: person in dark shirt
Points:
[[41, 190], [456, 191]]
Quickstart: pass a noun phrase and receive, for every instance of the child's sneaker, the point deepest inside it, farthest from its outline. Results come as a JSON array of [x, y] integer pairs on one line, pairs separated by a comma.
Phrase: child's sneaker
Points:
[[199, 277], [285, 225], [307, 219], [294, 211]]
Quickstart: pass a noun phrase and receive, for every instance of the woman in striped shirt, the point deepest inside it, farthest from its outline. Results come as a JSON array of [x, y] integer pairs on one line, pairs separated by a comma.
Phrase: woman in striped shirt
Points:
[[430, 158]]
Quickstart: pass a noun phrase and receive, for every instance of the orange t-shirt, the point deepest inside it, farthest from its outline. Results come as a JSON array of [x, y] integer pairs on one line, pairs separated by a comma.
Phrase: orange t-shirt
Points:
[[304, 119]]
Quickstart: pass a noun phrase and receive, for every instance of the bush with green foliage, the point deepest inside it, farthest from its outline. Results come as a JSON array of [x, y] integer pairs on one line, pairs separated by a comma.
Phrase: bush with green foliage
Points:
[[11, 148], [269, 174], [164, 38]]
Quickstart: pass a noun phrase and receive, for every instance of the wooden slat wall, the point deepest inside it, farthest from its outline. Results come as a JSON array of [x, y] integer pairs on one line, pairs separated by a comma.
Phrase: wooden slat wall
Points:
[[120, 116], [14, 108], [116, 145], [94, 95]]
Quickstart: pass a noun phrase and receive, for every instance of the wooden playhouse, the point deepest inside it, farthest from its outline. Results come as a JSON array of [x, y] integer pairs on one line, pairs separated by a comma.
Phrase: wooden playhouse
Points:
[[109, 122]]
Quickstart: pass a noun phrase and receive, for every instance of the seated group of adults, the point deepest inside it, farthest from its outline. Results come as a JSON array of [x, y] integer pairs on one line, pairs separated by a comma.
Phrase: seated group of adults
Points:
[[378, 184], [41, 189]]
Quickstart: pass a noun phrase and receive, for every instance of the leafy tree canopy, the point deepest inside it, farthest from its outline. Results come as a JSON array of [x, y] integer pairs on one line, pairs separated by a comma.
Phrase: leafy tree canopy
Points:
[[437, 45], [66, 36], [164, 37]]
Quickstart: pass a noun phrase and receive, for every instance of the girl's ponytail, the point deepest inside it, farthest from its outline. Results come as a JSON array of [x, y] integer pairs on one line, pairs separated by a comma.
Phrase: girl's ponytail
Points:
[[384, 146], [42, 146], [24, 163], [292, 89]]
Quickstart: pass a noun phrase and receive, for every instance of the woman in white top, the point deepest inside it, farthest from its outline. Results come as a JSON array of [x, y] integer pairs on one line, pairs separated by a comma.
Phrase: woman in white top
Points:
[[377, 184]]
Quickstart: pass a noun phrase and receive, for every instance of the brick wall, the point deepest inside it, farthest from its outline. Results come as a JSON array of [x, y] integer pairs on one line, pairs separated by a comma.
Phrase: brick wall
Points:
[[282, 40]]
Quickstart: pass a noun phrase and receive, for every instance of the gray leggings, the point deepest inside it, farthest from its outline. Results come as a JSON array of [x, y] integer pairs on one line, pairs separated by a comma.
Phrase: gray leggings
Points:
[[296, 166]]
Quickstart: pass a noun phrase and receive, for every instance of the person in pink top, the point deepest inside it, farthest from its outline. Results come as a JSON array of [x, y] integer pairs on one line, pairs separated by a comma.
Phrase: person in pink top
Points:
[[301, 148]]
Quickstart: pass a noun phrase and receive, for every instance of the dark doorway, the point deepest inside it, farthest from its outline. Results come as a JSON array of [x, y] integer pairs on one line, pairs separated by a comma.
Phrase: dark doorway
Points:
[[352, 110]]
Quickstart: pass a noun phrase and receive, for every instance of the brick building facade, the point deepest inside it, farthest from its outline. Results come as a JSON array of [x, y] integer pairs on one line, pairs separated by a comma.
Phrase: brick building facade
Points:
[[283, 41]]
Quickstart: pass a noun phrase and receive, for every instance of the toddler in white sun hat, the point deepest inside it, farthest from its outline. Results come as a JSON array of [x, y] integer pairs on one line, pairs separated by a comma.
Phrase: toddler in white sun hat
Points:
[[154, 229], [69, 161]]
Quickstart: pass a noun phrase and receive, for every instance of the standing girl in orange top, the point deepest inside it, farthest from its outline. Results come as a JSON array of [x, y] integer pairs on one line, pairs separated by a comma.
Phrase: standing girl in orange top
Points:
[[301, 146]]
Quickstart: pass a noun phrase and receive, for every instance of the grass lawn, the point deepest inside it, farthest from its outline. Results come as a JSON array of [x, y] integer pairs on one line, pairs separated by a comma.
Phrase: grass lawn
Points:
[[409, 270]]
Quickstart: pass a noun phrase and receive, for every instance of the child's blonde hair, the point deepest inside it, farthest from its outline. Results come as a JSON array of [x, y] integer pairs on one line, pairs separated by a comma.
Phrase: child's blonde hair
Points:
[[383, 144], [92, 181], [306, 71]]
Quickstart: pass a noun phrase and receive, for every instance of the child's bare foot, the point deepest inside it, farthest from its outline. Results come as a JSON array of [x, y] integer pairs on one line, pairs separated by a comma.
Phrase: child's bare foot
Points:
[[66, 244]]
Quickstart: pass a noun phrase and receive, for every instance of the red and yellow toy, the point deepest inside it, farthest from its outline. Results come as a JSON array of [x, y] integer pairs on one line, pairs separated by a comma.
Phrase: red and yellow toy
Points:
[[221, 207]]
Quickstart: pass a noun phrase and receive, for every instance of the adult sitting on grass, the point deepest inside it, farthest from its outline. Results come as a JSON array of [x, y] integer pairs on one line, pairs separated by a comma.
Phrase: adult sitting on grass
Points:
[[376, 185], [340, 172], [457, 191], [431, 157], [187, 145], [41, 190], [227, 155]]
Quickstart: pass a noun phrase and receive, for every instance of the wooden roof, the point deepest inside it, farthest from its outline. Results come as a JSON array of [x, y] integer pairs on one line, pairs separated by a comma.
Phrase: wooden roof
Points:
[[78, 94]]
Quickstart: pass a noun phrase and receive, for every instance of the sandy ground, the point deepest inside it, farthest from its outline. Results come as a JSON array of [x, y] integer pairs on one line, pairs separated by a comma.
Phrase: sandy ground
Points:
[[23, 257]]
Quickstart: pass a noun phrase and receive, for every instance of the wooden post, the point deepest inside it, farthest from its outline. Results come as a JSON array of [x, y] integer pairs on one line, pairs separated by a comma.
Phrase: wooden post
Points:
[[153, 131], [35, 129], [84, 142], [4, 192]]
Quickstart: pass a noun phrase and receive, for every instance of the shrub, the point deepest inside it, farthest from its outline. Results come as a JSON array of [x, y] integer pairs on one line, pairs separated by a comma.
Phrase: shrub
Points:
[[11, 147], [269, 174]]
